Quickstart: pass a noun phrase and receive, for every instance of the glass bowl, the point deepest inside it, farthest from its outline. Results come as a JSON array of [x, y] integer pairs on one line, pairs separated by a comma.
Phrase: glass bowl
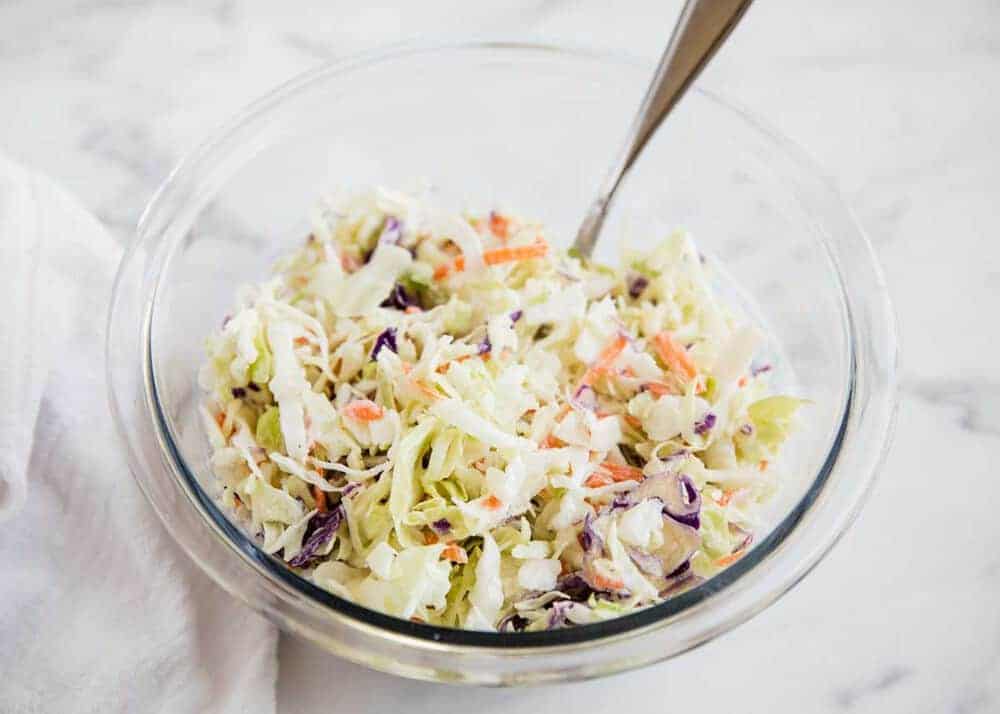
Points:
[[528, 128]]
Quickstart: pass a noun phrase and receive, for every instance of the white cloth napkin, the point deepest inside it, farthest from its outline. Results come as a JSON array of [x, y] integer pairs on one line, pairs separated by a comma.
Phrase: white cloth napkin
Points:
[[99, 610]]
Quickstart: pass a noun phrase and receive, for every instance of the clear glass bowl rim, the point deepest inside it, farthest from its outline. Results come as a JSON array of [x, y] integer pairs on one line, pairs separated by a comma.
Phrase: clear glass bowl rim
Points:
[[653, 617]]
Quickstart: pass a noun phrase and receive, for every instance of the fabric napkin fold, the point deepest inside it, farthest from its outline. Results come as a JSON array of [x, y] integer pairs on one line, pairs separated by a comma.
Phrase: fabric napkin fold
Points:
[[99, 610]]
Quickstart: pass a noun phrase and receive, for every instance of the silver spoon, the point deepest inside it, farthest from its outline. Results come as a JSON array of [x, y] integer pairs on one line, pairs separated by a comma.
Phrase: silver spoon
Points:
[[702, 28]]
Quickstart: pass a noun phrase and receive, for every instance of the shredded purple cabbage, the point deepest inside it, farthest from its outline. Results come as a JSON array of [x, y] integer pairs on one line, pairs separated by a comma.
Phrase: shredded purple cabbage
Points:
[[441, 526], [590, 540], [392, 231], [557, 613], [319, 531], [398, 298], [637, 284], [678, 494], [746, 429], [649, 564], [754, 371], [746, 535], [690, 512], [705, 425], [239, 392], [516, 315], [679, 454], [386, 338], [586, 397], [485, 347], [680, 569]]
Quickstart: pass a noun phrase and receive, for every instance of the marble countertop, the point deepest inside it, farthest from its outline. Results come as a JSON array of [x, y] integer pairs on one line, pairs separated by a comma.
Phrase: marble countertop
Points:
[[898, 99]]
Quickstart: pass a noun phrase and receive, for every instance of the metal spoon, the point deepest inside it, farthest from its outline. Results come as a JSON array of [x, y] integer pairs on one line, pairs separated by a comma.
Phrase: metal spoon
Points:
[[702, 28]]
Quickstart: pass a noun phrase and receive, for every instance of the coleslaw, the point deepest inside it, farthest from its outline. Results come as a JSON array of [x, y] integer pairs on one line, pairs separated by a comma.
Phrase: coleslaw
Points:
[[439, 417]]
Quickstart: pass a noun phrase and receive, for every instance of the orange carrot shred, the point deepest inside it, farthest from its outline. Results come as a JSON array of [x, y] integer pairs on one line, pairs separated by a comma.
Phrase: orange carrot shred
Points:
[[412, 310], [320, 499], [604, 360], [495, 257], [551, 442], [499, 225], [493, 503], [659, 389], [364, 410], [348, 262], [729, 559], [726, 497], [621, 472], [632, 421], [762, 466], [425, 389], [300, 341], [674, 356], [597, 480], [538, 249], [606, 583], [455, 553], [430, 538], [743, 381]]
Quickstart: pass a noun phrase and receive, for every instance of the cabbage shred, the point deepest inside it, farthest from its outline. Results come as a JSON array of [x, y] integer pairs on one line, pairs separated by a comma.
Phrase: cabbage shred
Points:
[[440, 418]]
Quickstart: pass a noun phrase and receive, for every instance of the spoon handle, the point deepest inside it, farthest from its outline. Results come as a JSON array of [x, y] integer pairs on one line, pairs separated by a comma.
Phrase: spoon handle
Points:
[[702, 28]]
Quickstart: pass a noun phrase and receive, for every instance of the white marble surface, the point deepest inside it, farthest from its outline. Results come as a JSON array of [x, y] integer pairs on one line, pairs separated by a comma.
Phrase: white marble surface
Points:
[[899, 99]]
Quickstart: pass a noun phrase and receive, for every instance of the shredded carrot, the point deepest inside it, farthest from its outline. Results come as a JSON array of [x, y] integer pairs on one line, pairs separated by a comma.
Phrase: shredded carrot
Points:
[[597, 480], [551, 442], [620, 472], [604, 360], [220, 419], [727, 496], [320, 499], [412, 310], [729, 559], [538, 249], [674, 356], [659, 389], [493, 503], [425, 389], [364, 410], [743, 381], [455, 553], [348, 262], [430, 538], [762, 465], [606, 583], [632, 421], [499, 225]]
